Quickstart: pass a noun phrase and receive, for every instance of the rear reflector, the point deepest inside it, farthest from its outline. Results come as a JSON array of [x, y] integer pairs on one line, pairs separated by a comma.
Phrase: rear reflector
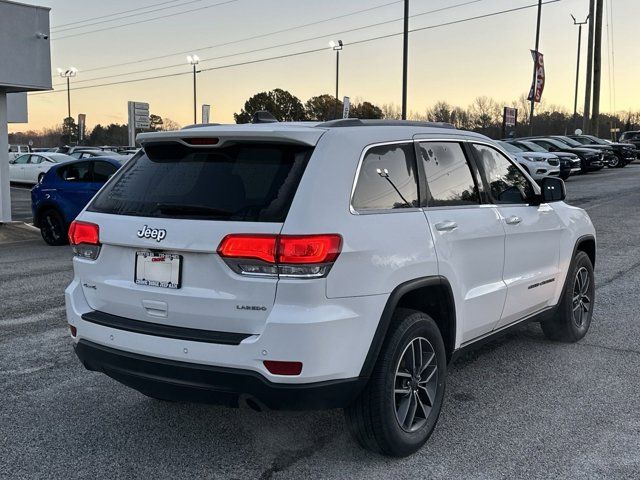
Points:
[[283, 368], [73, 330], [302, 256]]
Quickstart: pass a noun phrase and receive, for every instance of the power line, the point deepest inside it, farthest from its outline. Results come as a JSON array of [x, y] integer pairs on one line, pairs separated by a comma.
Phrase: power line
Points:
[[112, 14], [84, 24], [145, 20], [306, 52], [286, 44], [254, 37]]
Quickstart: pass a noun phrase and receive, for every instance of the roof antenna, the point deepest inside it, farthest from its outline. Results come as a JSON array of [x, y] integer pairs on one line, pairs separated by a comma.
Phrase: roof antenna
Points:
[[264, 116]]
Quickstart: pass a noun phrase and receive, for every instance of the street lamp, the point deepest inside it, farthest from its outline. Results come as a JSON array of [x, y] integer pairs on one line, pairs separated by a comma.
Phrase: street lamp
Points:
[[194, 60], [68, 74], [575, 101], [337, 46]]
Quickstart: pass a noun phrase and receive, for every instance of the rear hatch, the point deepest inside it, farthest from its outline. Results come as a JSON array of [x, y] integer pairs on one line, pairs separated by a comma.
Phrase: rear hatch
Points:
[[164, 214]]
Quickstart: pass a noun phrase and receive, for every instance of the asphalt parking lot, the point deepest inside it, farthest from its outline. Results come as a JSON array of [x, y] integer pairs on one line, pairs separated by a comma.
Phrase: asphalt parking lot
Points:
[[520, 407]]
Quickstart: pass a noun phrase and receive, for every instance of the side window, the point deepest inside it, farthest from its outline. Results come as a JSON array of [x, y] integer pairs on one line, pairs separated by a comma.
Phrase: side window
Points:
[[21, 160], [387, 179], [449, 179], [102, 171], [505, 182], [76, 172], [34, 159]]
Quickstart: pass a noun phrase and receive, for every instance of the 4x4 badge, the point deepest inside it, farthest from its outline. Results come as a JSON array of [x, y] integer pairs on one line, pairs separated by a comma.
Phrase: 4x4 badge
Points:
[[157, 234]]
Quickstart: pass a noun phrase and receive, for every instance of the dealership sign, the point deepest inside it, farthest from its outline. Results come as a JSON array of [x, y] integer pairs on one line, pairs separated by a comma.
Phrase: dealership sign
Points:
[[138, 119], [537, 87]]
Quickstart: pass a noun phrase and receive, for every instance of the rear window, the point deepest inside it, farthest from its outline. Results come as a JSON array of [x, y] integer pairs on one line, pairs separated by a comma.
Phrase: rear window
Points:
[[243, 182]]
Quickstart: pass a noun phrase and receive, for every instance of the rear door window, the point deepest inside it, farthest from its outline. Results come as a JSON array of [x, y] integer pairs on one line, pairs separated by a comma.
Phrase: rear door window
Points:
[[76, 172], [387, 179], [449, 179], [243, 182]]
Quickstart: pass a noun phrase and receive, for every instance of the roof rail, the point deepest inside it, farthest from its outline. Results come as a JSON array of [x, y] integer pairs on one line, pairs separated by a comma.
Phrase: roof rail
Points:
[[198, 125], [356, 122], [264, 116]]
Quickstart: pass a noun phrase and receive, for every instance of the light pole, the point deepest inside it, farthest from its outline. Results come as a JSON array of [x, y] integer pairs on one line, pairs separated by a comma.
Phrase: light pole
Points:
[[68, 74], [337, 46], [575, 101], [194, 60]]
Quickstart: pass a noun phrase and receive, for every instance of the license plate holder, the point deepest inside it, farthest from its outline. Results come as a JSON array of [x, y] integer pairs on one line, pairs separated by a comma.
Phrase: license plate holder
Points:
[[158, 269]]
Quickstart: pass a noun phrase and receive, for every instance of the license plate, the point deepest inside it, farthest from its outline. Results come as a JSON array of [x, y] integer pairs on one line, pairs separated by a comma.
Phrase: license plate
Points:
[[157, 269]]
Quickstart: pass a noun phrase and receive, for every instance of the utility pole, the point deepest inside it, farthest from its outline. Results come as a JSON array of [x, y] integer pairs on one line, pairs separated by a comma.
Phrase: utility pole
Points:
[[575, 98], [597, 68], [405, 59], [587, 91], [535, 68]]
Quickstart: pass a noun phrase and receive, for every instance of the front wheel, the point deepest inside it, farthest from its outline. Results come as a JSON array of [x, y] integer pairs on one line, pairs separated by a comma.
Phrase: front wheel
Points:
[[398, 409], [614, 162], [576, 305], [565, 175]]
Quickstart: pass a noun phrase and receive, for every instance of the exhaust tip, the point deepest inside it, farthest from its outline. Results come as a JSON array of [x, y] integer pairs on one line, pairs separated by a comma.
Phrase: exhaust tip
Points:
[[252, 403]]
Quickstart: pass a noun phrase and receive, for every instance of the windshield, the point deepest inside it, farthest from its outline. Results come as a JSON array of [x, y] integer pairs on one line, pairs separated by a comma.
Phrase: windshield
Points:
[[569, 141], [510, 147], [243, 182], [534, 147]]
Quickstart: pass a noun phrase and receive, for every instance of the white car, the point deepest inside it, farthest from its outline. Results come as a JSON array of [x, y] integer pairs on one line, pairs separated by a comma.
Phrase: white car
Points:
[[30, 168], [321, 265], [537, 165]]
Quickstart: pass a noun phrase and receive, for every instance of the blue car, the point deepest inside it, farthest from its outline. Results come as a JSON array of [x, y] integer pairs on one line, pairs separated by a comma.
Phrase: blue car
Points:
[[64, 191]]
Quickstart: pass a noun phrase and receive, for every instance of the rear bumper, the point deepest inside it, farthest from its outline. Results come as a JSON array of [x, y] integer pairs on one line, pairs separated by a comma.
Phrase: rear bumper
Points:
[[182, 381]]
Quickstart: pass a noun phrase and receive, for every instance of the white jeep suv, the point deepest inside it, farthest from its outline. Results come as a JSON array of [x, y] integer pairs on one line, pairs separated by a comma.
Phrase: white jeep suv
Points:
[[321, 265]]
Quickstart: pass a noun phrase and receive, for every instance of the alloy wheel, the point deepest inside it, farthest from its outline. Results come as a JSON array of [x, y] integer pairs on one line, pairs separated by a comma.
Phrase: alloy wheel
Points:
[[581, 300], [415, 384]]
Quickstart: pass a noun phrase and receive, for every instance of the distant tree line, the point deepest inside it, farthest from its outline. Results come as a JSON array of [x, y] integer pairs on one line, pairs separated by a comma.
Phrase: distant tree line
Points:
[[483, 115], [68, 133]]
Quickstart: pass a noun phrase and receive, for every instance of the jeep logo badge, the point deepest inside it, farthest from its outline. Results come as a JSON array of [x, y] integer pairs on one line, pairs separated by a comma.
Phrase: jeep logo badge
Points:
[[157, 234]]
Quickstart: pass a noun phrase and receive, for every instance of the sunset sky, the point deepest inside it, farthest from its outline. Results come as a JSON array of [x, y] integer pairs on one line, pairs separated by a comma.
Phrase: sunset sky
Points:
[[456, 63]]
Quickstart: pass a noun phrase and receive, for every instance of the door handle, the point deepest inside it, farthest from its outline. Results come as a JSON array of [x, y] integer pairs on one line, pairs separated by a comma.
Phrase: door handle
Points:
[[513, 220], [446, 226]]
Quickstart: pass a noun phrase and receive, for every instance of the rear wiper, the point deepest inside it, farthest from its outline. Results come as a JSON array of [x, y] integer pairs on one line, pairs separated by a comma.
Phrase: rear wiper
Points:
[[197, 210]]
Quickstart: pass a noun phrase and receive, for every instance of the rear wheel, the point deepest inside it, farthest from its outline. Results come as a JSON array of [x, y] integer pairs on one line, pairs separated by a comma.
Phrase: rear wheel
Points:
[[576, 306], [398, 409], [53, 228]]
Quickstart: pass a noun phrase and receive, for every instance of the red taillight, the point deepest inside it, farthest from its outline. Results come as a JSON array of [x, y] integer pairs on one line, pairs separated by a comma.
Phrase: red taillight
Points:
[[307, 249], [283, 368], [83, 232], [261, 247], [73, 330], [302, 256]]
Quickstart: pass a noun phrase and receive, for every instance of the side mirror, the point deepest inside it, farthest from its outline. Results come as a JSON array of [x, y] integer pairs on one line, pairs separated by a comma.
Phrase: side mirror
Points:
[[11, 162], [553, 190]]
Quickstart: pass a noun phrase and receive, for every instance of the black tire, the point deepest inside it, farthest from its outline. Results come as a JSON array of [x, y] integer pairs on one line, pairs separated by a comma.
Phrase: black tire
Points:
[[53, 228], [565, 175], [615, 162], [575, 311], [40, 177], [374, 417]]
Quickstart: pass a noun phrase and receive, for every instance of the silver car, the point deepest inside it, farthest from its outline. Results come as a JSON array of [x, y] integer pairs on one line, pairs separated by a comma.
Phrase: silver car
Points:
[[538, 165]]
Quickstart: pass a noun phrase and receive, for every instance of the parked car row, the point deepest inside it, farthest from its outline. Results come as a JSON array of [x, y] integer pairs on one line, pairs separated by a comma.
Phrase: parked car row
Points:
[[573, 154]]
